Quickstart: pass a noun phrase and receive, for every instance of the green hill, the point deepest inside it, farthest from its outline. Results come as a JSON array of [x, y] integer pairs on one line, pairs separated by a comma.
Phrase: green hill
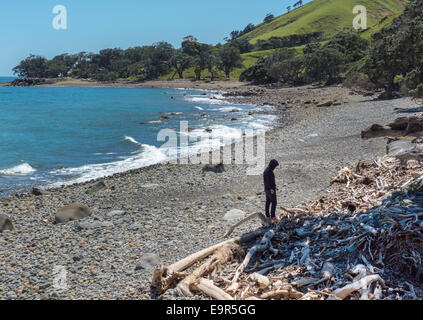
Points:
[[328, 17]]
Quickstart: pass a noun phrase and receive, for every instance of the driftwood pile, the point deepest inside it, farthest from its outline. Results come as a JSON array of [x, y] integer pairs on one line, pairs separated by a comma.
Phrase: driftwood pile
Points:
[[363, 240]]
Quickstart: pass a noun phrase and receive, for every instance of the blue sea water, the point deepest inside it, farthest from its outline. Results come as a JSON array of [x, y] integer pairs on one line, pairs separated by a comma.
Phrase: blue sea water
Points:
[[53, 136]]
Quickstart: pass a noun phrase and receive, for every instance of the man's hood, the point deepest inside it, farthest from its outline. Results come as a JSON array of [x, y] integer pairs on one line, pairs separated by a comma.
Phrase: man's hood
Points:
[[273, 164]]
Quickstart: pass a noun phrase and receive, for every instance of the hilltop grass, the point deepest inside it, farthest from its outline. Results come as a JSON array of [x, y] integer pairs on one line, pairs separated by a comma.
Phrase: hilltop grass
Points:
[[328, 17]]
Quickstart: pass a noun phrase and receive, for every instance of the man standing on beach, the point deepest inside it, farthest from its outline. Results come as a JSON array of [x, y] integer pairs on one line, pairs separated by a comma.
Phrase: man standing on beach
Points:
[[270, 189]]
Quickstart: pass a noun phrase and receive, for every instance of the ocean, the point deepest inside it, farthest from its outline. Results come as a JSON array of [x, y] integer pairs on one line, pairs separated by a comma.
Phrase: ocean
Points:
[[55, 136]]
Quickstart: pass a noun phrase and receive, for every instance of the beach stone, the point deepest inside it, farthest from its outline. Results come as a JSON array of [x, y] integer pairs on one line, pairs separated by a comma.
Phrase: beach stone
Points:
[[36, 192], [115, 213], [325, 103], [150, 186], [72, 212], [95, 225], [5, 223], [77, 257], [100, 185], [148, 261], [220, 168], [234, 214], [135, 226]]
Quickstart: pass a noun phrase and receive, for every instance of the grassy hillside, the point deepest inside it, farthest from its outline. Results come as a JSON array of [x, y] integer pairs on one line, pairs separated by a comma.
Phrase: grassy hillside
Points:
[[328, 17]]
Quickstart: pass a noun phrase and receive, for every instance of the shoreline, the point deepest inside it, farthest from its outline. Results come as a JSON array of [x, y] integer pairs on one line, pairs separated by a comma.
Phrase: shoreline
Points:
[[164, 84], [231, 102], [171, 211]]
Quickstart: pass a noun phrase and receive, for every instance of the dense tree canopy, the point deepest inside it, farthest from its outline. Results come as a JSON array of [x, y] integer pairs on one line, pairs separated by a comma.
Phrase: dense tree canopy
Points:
[[397, 50], [32, 67], [318, 63], [230, 58], [140, 63]]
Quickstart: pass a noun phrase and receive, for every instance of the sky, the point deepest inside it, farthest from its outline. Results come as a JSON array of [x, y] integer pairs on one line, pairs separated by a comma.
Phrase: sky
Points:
[[26, 26]]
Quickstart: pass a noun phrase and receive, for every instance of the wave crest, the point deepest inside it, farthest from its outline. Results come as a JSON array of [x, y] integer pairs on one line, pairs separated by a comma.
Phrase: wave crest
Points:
[[20, 170]]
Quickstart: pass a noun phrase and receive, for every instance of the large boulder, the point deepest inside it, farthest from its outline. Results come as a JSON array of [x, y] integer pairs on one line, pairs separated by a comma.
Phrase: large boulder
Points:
[[401, 127], [5, 223], [72, 212]]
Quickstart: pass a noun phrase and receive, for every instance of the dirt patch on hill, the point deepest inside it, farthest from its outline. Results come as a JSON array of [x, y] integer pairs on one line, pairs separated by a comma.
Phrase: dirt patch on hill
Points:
[[386, 12]]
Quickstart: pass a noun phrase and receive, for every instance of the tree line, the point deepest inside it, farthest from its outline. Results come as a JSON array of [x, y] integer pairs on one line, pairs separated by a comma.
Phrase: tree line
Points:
[[391, 60], [318, 63], [140, 63]]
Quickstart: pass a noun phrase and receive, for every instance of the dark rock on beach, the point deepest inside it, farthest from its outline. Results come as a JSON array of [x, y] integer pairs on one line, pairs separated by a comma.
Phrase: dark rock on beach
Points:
[[28, 82], [5, 223], [100, 185], [36, 192]]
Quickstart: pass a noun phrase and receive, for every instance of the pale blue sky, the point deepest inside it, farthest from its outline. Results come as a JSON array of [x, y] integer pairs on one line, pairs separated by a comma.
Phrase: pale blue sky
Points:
[[26, 25]]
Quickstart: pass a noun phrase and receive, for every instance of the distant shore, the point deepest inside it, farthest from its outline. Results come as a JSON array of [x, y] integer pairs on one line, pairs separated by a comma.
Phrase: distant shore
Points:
[[174, 84], [171, 211]]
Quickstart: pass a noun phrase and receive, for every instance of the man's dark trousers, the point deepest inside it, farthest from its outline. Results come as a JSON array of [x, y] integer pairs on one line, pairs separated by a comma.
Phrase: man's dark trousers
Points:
[[271, 200]]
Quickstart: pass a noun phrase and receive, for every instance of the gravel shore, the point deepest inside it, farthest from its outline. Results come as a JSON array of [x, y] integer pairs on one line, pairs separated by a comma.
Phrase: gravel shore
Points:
[[165, 212]]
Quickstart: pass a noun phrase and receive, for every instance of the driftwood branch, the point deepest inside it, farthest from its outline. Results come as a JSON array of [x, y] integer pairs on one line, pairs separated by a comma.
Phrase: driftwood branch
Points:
[[209, 289], [164, 277], [363, 283], [250, 217], [220, 256]]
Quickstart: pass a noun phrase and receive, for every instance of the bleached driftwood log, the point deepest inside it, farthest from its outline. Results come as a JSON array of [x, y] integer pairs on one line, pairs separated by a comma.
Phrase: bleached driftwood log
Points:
[[208, 288], [264, 244], [363, 283], [164, 277], [220, 256], [250, 217], [284, 293]]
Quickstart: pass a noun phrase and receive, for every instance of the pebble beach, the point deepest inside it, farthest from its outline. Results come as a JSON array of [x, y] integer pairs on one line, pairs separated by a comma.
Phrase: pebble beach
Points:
[[165, 212]]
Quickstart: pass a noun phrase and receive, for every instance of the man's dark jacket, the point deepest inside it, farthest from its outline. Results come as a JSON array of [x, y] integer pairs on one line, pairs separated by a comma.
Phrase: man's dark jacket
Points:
[[269, 176]]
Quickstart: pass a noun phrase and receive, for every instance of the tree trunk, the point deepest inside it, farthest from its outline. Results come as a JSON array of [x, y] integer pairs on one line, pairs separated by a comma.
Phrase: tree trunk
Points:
[[181, 73]]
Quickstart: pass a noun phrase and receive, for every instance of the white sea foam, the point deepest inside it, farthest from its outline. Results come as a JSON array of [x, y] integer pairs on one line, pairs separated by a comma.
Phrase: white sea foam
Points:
[[147, 156], [211, 98], [228, 109], [20, 170], [130, 139]]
